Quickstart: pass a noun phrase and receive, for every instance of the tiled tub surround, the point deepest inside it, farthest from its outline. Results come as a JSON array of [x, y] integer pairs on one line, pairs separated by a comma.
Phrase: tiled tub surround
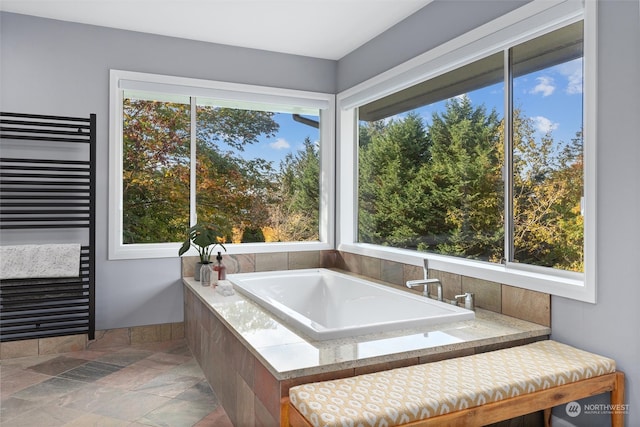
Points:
[[510, 300], [252, 359]]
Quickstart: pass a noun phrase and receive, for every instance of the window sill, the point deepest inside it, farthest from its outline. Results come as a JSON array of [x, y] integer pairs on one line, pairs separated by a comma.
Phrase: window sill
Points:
[[563, 284], [170, 250]]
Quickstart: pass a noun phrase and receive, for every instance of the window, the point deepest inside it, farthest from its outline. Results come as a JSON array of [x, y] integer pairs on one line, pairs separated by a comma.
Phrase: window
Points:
[[477, 155], [431, 177], [547, 150], [254, 163], [156, 143]]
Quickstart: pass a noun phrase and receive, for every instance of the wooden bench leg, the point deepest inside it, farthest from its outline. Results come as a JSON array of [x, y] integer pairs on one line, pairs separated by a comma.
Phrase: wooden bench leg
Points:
[[617, 400], [547, 417]]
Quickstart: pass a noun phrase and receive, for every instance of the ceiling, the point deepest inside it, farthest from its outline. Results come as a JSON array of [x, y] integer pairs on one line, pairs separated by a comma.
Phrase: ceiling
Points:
[[327, 29]]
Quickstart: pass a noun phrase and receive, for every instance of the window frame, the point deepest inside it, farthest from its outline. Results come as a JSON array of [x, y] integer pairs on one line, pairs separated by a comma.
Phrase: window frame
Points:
[[525, 23], [121, 80]]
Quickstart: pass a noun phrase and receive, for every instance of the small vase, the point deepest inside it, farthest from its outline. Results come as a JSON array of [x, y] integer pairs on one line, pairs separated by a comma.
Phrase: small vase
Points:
[[196, 271], [205, 274]]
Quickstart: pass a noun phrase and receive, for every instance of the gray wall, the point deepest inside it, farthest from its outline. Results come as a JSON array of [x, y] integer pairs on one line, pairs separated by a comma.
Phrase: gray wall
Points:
[[612, 326], [429, 27], [54, 67]]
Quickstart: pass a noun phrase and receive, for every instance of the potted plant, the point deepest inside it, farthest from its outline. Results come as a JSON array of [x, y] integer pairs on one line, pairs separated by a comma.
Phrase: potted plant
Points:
[[204, 237]]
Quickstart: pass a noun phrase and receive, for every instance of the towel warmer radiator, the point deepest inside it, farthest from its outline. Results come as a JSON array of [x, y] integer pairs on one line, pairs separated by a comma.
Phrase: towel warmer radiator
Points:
[[44, 192]]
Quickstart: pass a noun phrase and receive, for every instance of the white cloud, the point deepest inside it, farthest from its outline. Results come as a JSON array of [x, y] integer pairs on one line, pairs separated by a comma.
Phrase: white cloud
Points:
[[572, 70], [280, 144], [545, 86], [544, 125]]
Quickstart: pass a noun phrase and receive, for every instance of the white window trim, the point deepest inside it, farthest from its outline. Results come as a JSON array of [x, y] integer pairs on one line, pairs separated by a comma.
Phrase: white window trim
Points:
[[527, 22], [120, 80]]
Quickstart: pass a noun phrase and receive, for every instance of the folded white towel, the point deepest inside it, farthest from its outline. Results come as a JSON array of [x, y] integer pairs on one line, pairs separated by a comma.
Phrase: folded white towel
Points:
[[40, 261], [225, 288]]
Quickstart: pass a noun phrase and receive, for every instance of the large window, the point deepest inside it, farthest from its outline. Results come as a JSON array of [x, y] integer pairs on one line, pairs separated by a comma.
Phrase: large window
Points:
[[254, 168], [431, 177], [479, 154]]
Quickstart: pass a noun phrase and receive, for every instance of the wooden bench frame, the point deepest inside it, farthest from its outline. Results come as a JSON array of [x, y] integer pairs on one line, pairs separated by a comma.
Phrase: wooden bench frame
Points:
[[507, 408]]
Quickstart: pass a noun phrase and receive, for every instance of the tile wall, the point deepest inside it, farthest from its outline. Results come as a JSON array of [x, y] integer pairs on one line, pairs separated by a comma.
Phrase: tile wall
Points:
[[509, 300], [104, 340]]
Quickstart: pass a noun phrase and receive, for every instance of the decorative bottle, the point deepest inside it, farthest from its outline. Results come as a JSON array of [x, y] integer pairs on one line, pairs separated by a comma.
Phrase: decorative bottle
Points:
[[207, 275], [220, 268]]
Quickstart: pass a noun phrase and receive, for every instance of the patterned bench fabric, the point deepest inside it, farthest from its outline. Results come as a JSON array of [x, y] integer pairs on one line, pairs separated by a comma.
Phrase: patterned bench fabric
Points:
[[417, 392]]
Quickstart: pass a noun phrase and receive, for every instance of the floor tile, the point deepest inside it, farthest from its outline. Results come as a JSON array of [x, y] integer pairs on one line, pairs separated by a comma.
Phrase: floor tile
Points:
[[200, 392], [87, 354], [217, 418], [177, 413], [90, 371], [43, 416], [131, 377], [166, 360], [13, 407], [57, 365], [179, 348], [98, 388], [124, 357], [173, 347], [131, 405], [189, 369], [168, 385], [19, 380], [25, 362], [97, 421], [89, 398], [49, 389]]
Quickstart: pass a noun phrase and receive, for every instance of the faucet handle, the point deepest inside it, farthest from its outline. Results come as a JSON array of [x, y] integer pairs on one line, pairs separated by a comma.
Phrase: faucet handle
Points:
[[469, 301]]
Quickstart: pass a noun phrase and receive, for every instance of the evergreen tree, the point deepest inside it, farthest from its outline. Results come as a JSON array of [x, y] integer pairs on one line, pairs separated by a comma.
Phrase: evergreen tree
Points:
[[295, 208], [392, 207], [466, 191]]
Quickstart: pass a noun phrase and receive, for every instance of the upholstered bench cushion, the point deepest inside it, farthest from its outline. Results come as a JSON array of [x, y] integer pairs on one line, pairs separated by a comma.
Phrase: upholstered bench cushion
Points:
[[417, 392]]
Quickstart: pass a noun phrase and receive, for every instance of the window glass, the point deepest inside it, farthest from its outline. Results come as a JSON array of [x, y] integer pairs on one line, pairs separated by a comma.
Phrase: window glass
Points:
[[155, 165], [547, 150], [257, 169], [433, 158], [430, 177]]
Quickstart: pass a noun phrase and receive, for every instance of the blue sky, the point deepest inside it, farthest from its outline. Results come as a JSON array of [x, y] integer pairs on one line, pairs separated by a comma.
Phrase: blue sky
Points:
[[550, 97], [289, 139]]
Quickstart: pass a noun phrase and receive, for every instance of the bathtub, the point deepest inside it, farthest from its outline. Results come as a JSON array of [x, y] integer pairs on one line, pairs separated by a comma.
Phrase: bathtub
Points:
[[325, 304]]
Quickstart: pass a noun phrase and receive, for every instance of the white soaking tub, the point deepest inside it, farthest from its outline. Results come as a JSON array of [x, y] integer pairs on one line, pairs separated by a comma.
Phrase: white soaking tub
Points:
[[326, 304]]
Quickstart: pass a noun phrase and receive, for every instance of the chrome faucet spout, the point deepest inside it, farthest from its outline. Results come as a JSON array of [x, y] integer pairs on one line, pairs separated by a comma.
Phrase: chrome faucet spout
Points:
[[426, 283]]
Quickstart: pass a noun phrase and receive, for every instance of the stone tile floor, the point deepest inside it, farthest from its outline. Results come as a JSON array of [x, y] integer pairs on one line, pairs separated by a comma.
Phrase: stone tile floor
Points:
[[157, 384]]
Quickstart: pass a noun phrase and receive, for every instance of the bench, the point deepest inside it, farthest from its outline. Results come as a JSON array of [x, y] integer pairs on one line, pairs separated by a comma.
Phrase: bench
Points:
[[466, 391]]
